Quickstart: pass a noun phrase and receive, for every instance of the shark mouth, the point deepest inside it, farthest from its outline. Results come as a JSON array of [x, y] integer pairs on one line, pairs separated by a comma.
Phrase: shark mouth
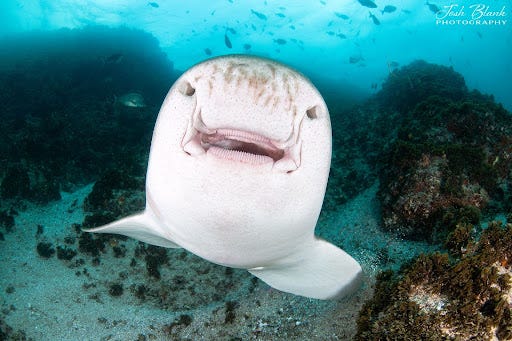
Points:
[[242, 146]]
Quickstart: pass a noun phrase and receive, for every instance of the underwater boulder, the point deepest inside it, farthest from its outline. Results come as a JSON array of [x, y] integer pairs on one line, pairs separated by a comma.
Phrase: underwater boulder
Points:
[[449, 161], [45, 249], [7, 221], [45, 187], [419, 193], [15, 184], [415, 82], [62, 114], [47, 191], [5, 330], [466, 299], [113, 195], [36, 185]]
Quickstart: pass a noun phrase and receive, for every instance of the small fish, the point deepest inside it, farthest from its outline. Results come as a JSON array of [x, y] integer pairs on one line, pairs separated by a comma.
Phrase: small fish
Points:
[[132, 100], [232, 30], [374, 18], [323, 2], [259, 15], [280, 41], [479, 35], [331, 33], [227, 41], [292, 27], [341, 15], [280, 15], [406, 11], [114, 58], [355, 59], [341, 35], [388, 9], [153, 4], [247, 46], [432, 7], [208, 52], [367, 3]]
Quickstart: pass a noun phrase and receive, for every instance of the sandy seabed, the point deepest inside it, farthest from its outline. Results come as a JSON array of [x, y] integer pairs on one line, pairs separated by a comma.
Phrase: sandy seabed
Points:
[[54, 299]]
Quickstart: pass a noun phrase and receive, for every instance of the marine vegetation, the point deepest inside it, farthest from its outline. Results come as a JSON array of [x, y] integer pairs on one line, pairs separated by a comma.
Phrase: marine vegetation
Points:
[[65, 112], [38, 186], [451, 158], [442, 154], [467, 295], [413, 83]]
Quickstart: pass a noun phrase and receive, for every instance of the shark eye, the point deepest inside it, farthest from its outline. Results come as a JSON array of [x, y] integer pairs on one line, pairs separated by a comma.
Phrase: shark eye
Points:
[[312, 113], [187, 89]]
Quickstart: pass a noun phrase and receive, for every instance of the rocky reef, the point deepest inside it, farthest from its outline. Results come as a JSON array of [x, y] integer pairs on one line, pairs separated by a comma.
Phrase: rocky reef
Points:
[[466, 297], [451, 158], [63, 123], [442, 154], [443, 157], [413, 83]]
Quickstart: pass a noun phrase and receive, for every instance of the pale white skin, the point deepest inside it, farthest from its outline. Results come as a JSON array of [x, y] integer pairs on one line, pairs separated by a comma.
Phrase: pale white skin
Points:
[[244, 210]]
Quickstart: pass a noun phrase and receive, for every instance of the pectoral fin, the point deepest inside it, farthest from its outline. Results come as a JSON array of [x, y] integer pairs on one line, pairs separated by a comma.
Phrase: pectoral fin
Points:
[[320, 270], [141, 226]]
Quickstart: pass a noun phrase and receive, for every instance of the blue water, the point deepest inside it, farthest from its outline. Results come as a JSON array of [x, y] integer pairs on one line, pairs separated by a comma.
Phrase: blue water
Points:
[[319, 38]]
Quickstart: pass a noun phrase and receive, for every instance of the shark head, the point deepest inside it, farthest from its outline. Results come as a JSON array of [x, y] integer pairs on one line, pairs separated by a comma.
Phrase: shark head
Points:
[[254, 107], [237, 173]]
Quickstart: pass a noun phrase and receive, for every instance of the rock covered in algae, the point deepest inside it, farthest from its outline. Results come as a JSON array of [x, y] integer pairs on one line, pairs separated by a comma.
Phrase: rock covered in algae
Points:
[[436, 298], [419, 80], [451, 157]]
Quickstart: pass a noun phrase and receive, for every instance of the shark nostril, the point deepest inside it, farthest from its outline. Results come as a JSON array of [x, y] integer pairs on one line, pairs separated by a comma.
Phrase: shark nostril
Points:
[[187, 89], [312, 113]]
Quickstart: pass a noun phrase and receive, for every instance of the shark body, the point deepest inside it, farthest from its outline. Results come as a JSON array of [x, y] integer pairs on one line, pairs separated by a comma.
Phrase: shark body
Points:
[[237, 173]]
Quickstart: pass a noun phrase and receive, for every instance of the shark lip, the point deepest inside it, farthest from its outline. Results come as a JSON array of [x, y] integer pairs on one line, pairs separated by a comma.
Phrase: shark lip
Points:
[[242, 146]]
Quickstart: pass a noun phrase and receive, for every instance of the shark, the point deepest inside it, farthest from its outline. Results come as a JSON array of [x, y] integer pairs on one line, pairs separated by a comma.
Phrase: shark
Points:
[[237, 173]]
